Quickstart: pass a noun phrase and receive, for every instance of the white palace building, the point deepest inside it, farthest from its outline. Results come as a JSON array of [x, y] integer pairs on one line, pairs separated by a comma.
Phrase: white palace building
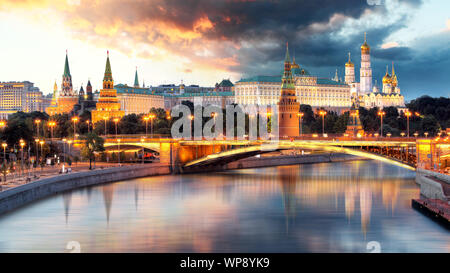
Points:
[[332, 94]]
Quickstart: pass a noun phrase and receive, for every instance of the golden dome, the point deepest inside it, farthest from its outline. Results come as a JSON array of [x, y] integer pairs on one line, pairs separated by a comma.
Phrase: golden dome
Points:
[[387, 78], [365, 47], [349, 64]]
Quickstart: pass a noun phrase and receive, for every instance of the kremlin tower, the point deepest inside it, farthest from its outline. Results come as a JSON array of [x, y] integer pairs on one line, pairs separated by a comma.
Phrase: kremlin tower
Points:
[[288, 106], [66, 99], [136, 81], [365, 71], [108, 105]]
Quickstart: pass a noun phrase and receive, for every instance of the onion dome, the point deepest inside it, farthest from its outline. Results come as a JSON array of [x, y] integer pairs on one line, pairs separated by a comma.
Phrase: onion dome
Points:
[[365, 48], [349, 63], [387, 78]]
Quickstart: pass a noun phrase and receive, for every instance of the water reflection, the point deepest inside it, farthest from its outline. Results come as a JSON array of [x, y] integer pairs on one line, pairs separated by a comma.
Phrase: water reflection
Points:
[[335, 207]]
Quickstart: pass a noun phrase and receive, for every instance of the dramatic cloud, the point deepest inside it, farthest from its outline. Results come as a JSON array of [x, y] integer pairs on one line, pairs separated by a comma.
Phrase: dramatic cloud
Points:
[[244, 37]]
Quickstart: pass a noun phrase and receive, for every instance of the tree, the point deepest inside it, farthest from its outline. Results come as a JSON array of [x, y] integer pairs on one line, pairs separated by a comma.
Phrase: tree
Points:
[[93, 143]]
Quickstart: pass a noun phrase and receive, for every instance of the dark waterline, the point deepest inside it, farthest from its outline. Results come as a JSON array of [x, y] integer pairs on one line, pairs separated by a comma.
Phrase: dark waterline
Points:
[[329, 207]]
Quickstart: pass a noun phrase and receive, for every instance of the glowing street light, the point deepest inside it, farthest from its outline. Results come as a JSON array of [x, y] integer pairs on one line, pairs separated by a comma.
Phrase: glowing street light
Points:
[[323, 113], [2, 124], [116, 120], [146, 118], [381, 114], [300, 116], [88, 124], [118, 151], [37, 121], [151, 116], [75, 120], [51, 124], [22, 144], [4, 145], [143, 153], [407, 114]]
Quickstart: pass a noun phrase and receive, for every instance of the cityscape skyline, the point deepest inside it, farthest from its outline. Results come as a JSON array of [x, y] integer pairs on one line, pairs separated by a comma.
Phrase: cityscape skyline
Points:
[[320, 42]]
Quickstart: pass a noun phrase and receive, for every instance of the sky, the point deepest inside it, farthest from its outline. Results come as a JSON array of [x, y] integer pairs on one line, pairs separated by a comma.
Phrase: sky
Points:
[[202, 42]]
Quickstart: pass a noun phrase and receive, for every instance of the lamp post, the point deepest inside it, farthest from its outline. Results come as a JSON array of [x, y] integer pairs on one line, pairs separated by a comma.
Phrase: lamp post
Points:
[[64, 150], [22, 144], [323, 113], [118, 150], [42, 152], [51, 124], [105, 118], [142, 143], [88, 123], [213, 115], [75, 120], [146, 118], [407, 114], [37, 121], [4, 145], [300, 116], [381, 114], [152, 116]]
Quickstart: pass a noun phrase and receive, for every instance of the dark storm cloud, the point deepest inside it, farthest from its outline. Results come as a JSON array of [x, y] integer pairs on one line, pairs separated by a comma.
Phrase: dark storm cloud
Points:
[[393, 54]]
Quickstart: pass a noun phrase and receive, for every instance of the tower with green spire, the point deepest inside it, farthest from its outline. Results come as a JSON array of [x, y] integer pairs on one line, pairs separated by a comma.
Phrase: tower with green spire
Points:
[[108, 105], [288, 105], [66, 86], [136, 80]]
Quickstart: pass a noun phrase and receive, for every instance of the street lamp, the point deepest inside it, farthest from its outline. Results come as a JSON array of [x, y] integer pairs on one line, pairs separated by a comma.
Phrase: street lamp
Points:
[[51, 124], [22, 144], [416, 134], [142, 143], [151, 116], [381, 114], [2, 124], [64, 150], [118, 151], [426, 134], [88, 123], [75, 120], [42, 151], [37, 121], [323, 113], [105, 118], [407, 114], [116, 120], [146, 118], [300, 116], [4, 145]]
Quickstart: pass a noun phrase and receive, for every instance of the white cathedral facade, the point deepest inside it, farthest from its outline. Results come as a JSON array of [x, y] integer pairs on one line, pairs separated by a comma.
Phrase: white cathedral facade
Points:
[[370, 96]]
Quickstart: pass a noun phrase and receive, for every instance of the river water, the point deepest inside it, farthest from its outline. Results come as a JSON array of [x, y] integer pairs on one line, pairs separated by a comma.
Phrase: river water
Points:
[[327, 207]]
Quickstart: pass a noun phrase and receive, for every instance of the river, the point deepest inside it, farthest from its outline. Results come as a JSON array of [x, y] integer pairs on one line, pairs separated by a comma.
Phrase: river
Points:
[[327, 207]]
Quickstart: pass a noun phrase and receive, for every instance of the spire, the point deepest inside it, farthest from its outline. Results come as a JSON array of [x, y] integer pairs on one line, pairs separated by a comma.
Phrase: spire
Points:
[[365, 37], [349, 60], [288, 58], [287, 80], [393, 71], [143, 83], [108, 73], [66, 66], [55, 88], [89, 83], [136, 81]]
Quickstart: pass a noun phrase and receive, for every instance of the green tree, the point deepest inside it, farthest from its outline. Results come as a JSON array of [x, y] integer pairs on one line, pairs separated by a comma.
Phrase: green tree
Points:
[[93, 143]]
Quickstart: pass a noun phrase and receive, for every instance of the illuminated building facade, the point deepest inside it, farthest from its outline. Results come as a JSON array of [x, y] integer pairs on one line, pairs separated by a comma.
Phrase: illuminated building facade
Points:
[[108, 105], [19, 96]]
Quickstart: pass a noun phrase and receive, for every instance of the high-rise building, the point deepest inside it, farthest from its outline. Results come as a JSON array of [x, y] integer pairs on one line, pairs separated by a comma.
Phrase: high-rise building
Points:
[[288, 106], [19, 96], [108, 105]]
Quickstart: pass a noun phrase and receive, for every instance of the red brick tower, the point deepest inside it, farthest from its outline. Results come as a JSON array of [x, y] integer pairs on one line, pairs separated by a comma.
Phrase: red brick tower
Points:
[[288, 106]]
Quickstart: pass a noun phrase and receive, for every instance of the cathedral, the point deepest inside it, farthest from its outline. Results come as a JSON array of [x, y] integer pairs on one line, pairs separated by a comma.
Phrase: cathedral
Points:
[[370, 96]]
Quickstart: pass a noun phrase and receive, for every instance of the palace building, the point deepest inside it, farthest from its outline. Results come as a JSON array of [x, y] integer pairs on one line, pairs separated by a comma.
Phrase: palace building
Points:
[[108, 105], [309, 89]]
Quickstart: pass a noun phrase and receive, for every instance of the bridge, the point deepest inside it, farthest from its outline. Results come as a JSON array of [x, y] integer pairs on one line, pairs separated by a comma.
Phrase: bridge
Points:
[[190, 155]]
